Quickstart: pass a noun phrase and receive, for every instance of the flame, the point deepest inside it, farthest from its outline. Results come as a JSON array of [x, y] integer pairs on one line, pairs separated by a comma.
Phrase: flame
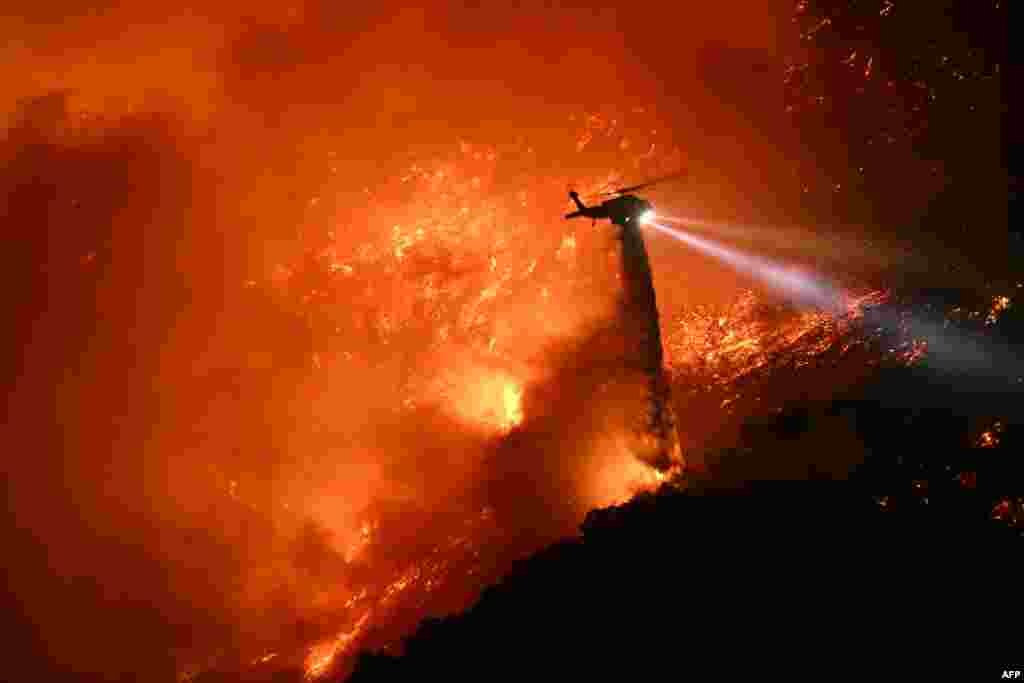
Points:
[[323, 655], [990, 437], [484, 397], [443, 294], [617, 476], [364, 539], [1010, 511], [719, 347], [512, 394], [998, 307]]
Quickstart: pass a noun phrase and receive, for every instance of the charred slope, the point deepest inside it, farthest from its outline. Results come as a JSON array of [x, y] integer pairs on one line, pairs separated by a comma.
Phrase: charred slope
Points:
[[901, 564], [775, 582]]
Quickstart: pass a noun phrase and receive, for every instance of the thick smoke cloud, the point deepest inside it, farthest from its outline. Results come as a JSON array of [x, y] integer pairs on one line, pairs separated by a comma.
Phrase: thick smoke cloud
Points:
[[161, 413], [96, 289]]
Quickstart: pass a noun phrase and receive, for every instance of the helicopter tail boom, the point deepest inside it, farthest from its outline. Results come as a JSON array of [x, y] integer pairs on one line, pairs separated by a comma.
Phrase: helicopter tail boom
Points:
[[575, 197]]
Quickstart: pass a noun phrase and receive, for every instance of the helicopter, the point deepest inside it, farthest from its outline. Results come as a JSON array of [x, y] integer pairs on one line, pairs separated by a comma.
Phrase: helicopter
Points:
[[623, 208]]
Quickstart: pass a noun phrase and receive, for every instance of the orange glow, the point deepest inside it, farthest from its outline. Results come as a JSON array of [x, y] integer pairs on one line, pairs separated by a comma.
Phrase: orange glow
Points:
[[617, 476], [404, 346], [705, 343], [990, 437], [474, 286], [512, 395], [318, 356], [999, 305], [488, 398], [364, 538], [1010, 511], [471, 288], [323, 655]]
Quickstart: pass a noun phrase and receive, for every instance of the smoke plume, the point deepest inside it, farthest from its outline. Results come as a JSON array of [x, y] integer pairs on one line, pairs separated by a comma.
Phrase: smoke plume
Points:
[[289, 366]]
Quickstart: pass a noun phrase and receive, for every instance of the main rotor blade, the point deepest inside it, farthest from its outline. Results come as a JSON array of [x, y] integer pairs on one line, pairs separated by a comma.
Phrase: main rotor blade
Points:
[[598, 194], [634, 188]]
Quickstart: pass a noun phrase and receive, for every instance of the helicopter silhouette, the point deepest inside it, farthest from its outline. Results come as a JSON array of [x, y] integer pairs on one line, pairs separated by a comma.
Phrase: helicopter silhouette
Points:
[[623, 208]]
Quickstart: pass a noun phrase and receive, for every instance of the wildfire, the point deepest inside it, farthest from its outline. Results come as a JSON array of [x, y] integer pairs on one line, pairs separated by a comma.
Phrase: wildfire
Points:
[[486, 397], [323, 655], [1010, 511], [990, 437], [415, 581], [444, 294], [999, 305], [618, 476], [717, 347], [512, 396], [364, 539]]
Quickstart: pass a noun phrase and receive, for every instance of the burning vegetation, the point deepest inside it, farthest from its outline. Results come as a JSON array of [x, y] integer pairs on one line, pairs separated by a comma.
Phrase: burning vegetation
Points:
[[490, 319], [275, 405], [484, 338], [448, 358]]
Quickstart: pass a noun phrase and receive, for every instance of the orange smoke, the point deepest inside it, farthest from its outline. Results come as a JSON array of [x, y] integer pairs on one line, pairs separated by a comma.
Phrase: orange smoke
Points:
[[318, 367], [451, 307], [491, 399]]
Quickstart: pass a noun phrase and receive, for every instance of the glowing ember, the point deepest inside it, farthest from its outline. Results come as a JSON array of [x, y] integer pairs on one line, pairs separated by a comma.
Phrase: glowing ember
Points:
[[323, 655], [1010, 511], [364, 539], [487, 397], [441, 308], [719, 346], [999, 305], [990, 437], [513, 413]]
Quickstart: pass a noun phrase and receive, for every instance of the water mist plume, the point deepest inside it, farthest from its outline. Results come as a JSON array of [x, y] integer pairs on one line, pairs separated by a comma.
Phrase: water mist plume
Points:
[[639, 310]]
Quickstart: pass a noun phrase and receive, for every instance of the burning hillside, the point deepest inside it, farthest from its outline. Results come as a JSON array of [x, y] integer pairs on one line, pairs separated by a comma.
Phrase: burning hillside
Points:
[[483, 346], [302, 353], [494, 401], [929, 491]]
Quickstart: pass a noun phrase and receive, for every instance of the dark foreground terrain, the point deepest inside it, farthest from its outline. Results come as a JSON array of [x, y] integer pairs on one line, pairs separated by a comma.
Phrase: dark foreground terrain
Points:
[[911, 566], [786, 578], [907, 566]]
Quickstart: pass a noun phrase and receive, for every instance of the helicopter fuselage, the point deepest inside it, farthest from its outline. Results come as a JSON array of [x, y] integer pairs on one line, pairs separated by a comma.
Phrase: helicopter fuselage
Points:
[[626, 209], [619, 210]]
